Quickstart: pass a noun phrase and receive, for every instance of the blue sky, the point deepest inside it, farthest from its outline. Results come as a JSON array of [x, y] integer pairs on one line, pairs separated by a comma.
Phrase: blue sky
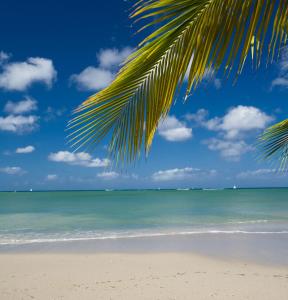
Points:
[[55, 54]]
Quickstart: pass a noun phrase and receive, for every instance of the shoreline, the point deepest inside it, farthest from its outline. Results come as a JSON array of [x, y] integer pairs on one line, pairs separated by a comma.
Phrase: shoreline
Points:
[[269, 250], [130, 276]]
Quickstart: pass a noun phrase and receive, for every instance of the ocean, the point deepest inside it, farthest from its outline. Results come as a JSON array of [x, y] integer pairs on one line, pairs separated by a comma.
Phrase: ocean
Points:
[[38, 218], [31, 217]]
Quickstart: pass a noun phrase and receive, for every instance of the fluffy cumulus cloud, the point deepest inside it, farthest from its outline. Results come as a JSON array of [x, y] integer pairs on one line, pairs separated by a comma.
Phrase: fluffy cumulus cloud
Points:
[[239, 120], [96, 78], [25, 150], [111, 58], [173, 130], [108, 175], [12, 170], [282, 78], [18, 76], [18, 124], [25, 106], [257, 173], [180, 174], [232, 129], [18, 121], [93, 79], [51, 177], [230, 150], [235, 123], [78, 159]]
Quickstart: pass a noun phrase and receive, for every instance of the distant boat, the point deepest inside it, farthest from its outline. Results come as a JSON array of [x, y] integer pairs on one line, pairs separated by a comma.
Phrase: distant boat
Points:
[[186, 189], [234, 187], [31, 190]]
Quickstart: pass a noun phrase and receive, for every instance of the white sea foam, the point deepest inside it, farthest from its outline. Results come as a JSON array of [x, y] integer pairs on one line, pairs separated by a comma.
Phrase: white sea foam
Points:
[[248, 222], [116, 236]]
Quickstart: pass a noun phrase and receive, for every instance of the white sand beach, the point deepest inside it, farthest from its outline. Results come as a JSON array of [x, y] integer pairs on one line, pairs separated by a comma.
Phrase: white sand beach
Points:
[[127, 276]]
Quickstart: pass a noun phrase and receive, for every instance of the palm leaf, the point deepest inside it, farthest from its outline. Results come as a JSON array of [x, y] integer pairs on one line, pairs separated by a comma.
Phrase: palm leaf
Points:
[[192, 36], [274, 142]]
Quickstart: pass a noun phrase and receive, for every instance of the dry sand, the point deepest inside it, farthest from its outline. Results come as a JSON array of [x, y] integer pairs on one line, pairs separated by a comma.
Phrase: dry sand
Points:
[[137, 276]]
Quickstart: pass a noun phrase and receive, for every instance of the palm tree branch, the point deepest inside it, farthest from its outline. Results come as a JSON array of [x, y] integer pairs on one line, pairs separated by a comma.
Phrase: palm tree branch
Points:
[[274, 142], [194, 36]]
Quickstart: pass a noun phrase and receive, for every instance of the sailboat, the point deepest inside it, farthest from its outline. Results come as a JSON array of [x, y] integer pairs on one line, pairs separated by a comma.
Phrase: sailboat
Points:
[[234, 187]]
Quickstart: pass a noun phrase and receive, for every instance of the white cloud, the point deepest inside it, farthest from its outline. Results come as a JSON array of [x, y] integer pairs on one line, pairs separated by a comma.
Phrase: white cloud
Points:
[[111, 58], [180, 174], [25, 150], [79, 159], [96, 78], [239, 120], [51, 177], [172, 130], [108, 175], [257, 173], [18, 76], [12, 170], [213, 124], [199, 117], [232, 129], [210, 77], [230, 150], [21, 107], [92, 79], [3, 57], [18, 124], [282, 79]]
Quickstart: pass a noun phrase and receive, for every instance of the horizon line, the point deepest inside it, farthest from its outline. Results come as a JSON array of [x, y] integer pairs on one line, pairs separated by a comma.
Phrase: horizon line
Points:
[[142, 189]]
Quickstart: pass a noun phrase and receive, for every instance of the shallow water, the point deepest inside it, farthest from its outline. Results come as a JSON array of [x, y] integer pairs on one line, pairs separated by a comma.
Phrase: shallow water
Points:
[[183, 218]]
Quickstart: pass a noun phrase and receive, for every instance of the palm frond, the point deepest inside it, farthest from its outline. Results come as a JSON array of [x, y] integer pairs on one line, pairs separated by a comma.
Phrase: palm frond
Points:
[[193, 36], [274, 142]]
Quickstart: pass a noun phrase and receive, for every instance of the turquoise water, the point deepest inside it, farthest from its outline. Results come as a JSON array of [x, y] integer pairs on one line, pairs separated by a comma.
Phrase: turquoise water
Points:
[[36, 217]]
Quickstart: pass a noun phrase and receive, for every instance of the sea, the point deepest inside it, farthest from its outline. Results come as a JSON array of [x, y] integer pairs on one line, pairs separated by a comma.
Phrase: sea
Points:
[[249, 223]]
